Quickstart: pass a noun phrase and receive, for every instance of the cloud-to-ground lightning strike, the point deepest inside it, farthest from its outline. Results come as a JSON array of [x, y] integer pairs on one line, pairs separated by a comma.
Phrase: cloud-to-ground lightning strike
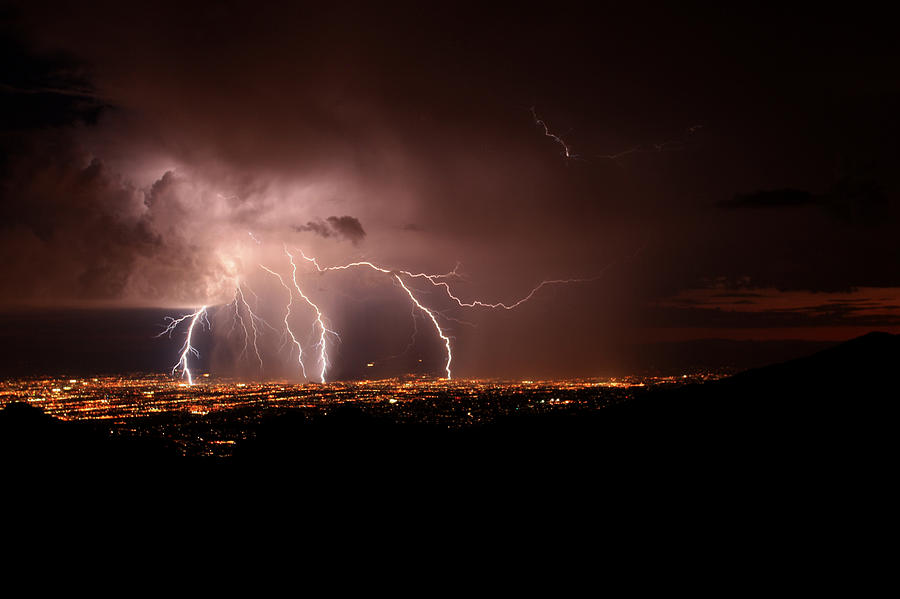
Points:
[[239, 297], [434, 280], [237, 318], [240, 304], [187, 349], [538, 121], [320, 319], [396, 274], [434, 320], [287, 315]]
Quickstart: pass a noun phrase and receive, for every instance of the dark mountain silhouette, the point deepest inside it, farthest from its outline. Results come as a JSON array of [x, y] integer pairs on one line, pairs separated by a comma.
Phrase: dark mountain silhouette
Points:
[[841, 391], [826, 413], [29, 438], [791, 425]]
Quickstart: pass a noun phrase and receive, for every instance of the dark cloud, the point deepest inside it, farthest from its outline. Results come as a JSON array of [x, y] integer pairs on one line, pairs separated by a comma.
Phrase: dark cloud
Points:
[[347, 227], [852, 199], [342, 227], [320, 228]]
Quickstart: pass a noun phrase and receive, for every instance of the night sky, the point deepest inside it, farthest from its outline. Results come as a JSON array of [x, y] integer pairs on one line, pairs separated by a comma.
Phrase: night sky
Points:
[[731, 174]]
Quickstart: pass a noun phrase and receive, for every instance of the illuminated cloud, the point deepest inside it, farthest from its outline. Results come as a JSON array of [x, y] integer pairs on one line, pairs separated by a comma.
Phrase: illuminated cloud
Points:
[[172, 149]]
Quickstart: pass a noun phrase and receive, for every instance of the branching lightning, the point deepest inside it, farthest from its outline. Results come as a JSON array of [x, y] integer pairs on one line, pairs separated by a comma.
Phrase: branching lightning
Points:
[[658, 146], [287, 315], [618, 155], [434, 320], [321, 330], [239, 299], [246, 319], [320, 320], [538, 121], [436, 280], [516, 304], [187, 349], [396, 275]]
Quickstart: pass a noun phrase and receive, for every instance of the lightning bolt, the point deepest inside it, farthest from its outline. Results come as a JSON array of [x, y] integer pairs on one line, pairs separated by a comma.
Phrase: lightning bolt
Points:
[[516, 304], [538, 121], [436, 280], [287, 315], [202, 316], [658, 146], [433, 279], [434, 320], [187, 349], [618, 155], [237, 318], [655, 146], [320, 320], [314, 262], [320, 327], [237, 303], [396, 275]]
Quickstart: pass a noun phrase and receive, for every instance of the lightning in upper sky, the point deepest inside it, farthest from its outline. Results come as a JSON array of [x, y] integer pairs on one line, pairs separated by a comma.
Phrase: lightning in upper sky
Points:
[[516, 304], [618, 155], [658, 146], [538, 121], [435, 279]]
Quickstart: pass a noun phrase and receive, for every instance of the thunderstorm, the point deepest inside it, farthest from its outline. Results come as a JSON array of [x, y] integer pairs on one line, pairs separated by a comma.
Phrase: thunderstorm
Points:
[[250, 334]]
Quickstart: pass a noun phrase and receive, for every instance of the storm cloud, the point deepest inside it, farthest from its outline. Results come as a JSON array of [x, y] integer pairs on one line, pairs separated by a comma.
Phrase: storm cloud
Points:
[[343, 227], [157, 153]]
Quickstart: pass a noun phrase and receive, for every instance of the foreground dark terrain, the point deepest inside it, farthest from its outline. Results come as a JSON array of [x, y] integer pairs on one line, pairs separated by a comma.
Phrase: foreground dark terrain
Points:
[[825, 416]]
